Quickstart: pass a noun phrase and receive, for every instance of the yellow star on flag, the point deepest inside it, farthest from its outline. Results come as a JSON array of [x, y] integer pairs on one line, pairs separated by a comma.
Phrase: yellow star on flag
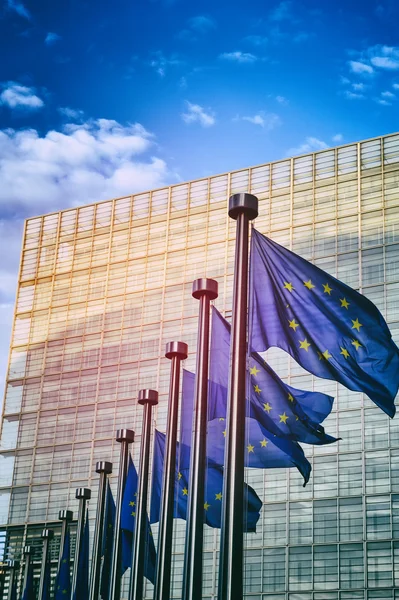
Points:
[[179, 476], [308, 284], [356, 344], [64, 591], [293, 325], [221, 419], [218, 496], [224, 432], [319, 354], [356, 325], [290, 397], [254, 371], [264, 443], [132, 503], [250, 448], [304, 345], [288, 286], [185, 491], [326, 354], [257, 389], [206, 505], [267, 407], [344, 303], [344, 352], [133, 514], [283, 418], [327, 289]]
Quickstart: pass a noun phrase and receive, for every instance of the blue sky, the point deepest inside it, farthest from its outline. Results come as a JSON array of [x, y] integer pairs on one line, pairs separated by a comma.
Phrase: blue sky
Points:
[[100, 99]]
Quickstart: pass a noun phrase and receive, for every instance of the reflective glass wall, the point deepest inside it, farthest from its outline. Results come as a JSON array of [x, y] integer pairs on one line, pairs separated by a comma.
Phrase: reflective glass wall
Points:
[[103, 288]]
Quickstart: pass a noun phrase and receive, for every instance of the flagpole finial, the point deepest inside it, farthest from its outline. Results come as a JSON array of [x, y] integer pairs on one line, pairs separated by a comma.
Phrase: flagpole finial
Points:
[[205, 286], [179, 349], [103, 466], [65, 515], [10, 564], [28, 550], [83, 493], [148, 397], [125, 435], [47, 534], [239, 203]]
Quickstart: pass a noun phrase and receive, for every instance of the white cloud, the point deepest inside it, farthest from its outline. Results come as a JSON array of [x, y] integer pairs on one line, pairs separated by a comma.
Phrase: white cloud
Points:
[[387, 94], [384, 57], [52, 38], [358, 87], [161, 63], [395, 86], [311, 144], [82, 163], [71, 113], [19, 8], [360, 67], [281, 12], [282, 100], [337, 138], [239, 57], [383, 102], [19, 96], [197, 114], [352, 95], [267, 121]]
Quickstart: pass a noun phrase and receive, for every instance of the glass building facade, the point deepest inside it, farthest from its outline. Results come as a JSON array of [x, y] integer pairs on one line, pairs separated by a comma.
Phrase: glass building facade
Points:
[[103, 288]]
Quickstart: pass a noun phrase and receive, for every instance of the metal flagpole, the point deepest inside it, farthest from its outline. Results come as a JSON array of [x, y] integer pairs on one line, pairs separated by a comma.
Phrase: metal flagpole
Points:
[[47, 535], [176, 351], [82, 494], [28, 557], [148, 398], [12, 567], [242, 208], [124, 437], [104, 468], [66, 517], [204, 290]]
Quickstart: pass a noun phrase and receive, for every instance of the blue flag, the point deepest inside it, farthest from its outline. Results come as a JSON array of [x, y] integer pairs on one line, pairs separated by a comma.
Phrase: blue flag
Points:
[[264, 450], [128, 520], [213, 486], [108, 538], [82, 580], [331, 330], [29, 592], [63, 581]]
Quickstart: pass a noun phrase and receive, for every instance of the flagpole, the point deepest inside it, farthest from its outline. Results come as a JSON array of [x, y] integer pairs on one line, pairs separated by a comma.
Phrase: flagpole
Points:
[[147, 398], [47, 535], [28, 551], [242, 208], [204, 290], [124, 437], [11, 566], [104, 468], [81, 494], [176, 352], [66, 517]]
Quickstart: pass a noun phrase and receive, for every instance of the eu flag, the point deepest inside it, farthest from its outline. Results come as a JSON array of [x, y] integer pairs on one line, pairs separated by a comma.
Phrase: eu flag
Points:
[[281, 409], [82, 580], [213, 486], [108, 536], [128, 520], [29, 592], [263, 449], [331, 330], [63, 581]]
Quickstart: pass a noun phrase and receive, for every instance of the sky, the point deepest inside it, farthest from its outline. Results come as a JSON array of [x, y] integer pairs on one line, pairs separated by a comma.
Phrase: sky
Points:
[[101, 99]]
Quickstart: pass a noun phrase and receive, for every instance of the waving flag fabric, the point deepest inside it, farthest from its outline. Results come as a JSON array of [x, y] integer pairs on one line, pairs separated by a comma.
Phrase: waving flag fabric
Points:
[[63, 581], [82, 580], [330, 329], [128, 521], [213, 485], [108, 537]]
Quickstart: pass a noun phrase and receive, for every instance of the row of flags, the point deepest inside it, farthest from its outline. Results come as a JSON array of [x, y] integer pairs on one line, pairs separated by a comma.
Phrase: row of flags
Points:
[[331, 330]]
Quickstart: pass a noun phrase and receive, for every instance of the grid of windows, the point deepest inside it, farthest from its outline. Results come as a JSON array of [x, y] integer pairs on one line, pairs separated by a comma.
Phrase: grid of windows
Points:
[[104, 287]]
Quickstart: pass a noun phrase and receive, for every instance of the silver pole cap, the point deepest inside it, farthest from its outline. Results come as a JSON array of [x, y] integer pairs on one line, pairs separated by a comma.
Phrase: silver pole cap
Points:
[[125, 435], [65, 515], [28, 550], [205, 286], [103, 466], [47, 534], [148, 397], [239, 203], [179, 349], [83, 493]]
